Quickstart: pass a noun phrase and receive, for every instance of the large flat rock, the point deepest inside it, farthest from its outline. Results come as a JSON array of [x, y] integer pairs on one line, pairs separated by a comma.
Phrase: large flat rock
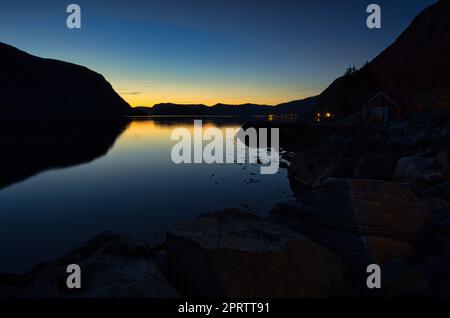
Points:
[[235, 254], [363, 221], [362, 207]]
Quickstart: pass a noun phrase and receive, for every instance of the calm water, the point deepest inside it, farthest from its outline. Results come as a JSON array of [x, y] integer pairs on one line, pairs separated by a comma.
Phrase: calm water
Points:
[[64, 182]]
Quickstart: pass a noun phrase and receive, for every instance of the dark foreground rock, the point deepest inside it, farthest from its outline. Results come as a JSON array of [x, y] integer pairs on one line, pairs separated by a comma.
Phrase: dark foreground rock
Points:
[[310, 168], [113, 266], [363, 221], [236, 254], [376, 166], [413, 167]]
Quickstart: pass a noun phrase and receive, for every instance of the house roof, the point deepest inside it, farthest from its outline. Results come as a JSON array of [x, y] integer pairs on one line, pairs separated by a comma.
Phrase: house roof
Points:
[[381, 95]]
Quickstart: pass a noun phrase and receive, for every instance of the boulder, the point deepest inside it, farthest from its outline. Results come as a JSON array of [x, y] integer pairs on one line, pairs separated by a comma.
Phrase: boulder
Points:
[[421, 172], [376, 166], [339, 145], [370, 144], [112, 266], [410, 168], [363, 221], [310, 168], [236, 254]]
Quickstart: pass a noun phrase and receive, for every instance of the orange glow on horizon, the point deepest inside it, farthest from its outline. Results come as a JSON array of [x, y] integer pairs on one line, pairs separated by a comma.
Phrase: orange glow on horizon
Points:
[[152, 98], [149, 91]]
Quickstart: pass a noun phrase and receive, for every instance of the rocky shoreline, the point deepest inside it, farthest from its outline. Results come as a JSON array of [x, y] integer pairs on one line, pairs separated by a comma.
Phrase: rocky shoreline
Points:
[[364, 195], [233, 253]]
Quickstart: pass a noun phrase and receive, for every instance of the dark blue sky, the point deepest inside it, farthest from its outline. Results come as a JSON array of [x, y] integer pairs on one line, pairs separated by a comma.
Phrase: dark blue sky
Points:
[[197, 51]]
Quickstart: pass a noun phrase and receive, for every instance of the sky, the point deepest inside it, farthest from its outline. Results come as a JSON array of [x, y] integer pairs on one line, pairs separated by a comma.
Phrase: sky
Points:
[[215, 51]]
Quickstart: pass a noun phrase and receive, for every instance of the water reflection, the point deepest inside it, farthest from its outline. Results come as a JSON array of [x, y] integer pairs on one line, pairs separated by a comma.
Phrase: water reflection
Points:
[[117, 177], [30, 146]]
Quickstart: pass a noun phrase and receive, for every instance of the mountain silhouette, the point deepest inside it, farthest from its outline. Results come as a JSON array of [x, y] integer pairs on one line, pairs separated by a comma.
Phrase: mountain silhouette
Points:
[[301, 107], [414, 70], [31, 85]]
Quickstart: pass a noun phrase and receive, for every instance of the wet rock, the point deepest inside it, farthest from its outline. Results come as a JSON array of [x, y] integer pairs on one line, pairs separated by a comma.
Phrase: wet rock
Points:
[[236, 254], [112, 266], [376, 166], [309, 169], [422, 172], [410, 168]]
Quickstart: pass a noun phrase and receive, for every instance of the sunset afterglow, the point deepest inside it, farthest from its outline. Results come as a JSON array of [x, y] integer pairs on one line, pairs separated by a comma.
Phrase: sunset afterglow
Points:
[[205, 52]]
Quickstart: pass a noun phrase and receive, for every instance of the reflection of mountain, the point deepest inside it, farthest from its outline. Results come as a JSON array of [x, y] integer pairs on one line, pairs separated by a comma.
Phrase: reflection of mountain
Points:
[[30, 85], [30, 146], [175, 122]]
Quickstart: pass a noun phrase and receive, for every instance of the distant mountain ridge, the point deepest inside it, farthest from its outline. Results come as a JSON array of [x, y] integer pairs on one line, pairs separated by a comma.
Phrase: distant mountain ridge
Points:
[[414, 70], [34, 86], [31, 85], [300, 107]]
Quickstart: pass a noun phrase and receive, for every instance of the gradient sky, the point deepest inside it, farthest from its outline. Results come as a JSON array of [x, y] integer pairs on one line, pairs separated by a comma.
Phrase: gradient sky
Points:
[[198, 51]]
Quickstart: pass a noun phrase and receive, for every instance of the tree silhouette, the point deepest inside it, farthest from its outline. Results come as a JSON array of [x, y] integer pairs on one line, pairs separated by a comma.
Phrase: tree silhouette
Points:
[[350, 70]]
